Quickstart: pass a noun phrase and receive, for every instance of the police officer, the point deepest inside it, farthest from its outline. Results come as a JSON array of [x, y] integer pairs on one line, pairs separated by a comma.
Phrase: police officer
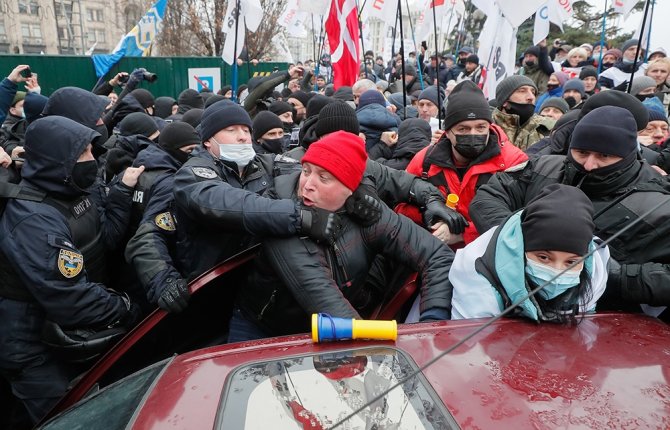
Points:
[[55, 243]]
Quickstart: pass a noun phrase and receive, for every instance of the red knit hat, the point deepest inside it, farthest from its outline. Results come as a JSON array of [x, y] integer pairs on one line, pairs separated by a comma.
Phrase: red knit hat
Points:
[[342, 154]]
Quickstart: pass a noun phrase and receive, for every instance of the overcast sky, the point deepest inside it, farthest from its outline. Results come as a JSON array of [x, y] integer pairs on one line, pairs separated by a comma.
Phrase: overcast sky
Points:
[[660, 30]]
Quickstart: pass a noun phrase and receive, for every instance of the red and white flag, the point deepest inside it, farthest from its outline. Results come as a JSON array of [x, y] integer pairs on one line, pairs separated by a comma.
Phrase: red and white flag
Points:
[[342, 30]]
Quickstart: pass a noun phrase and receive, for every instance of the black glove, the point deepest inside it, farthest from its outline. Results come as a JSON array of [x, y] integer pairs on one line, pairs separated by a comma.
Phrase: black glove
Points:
[[175, 295], [133, 314], [613, 290], [364, 205], [320, 224], [437, 210]]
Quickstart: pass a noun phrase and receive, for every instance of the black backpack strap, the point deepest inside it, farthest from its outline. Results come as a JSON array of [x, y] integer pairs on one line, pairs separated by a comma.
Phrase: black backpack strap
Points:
[[16, 191], [437, 180]]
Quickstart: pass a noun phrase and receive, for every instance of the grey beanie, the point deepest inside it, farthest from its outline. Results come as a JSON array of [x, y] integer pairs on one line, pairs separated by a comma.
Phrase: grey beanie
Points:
[[628, 43], [555, 102], [640, 83], [574, 84], [430, 94], [507, 86]]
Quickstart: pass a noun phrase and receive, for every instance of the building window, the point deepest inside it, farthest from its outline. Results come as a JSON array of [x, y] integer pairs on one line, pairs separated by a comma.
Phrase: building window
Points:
[[100, 36], [95, 15], [32, 33], [29, 7], [64, 8]]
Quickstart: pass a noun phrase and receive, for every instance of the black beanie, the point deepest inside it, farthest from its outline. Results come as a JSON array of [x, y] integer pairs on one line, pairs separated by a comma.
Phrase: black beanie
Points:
[[472, 58], [337, 116], [137, 123], [178, 134], [220, 115], [344, 93], [620, 99], [144, 97], [588, 71], [193, 117], [301, 96], [224, 89], [265, 121], [415, 125], [533, 50], [279, 107], [466, 102], [191, 99], [163, 106], [215, 98], [559, 218], [315, 104], [608, 130]]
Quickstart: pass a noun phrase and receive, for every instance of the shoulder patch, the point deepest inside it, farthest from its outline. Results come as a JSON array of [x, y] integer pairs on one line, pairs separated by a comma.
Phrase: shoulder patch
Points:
[[517, 168], [165, 221], [70, 263], [204, 172]]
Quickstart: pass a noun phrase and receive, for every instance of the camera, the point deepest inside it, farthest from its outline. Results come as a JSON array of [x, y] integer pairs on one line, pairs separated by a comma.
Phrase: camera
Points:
[[26, 73], [150, 77], [123, 79]]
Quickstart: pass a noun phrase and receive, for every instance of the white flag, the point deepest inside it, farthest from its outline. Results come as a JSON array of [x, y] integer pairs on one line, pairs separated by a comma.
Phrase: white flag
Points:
[[425, 27], [560, 11], [643, 35], [517, 11], [624, 6], [293, 19], [497, 51], [281, 48], [385, 10], [541, 29], [317, 7], [250, 17]]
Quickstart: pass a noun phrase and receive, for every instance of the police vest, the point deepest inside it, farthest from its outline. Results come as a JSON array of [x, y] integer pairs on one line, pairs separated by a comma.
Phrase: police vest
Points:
[[83, 220]]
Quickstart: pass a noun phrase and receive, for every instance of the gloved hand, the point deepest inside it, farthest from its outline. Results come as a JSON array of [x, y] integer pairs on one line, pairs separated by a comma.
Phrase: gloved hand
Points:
[[138, 74], [613, 290], [175, 295], [437, 210], [364, 205], [133, 313], [320, 224]]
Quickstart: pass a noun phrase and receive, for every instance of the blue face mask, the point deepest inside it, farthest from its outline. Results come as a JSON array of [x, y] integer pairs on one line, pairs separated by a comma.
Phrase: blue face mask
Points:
[[541, 274]]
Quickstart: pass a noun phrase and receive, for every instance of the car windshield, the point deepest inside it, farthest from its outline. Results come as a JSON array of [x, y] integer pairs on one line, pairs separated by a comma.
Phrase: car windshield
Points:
[[111, 408], [318, 391]]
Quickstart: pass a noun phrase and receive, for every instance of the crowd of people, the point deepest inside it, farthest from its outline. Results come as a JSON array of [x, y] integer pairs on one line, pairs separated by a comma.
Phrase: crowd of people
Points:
[[113, 200]]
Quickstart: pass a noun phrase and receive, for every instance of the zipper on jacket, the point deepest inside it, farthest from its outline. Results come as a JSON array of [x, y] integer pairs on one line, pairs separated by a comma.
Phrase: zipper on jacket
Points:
[[343, 271], [270, 302]]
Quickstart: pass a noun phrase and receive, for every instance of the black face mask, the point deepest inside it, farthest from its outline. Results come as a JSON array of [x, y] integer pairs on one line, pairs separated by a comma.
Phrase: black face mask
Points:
[[606, 66], [178, 155], [471, 146], [530, 63], [523, 110], [276, 146], [288, 127], [572, 102], [644, 97], [551, 87], [84, 174]]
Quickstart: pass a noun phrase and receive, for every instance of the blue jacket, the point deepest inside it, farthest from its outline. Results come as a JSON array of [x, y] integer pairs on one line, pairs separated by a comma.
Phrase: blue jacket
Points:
[[558, 92], [37, 238], [7, 93], [374, 120]]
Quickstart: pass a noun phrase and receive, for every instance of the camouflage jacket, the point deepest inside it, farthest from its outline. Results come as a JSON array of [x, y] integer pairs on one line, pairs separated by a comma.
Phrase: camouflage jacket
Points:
[[532, 131]]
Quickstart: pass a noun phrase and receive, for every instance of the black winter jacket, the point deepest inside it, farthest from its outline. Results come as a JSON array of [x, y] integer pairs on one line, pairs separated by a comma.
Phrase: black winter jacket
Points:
[[618, 200], [296, 277]]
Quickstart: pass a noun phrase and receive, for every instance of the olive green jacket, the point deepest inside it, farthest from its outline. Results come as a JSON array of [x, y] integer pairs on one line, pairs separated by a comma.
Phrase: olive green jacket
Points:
[[524, 136]]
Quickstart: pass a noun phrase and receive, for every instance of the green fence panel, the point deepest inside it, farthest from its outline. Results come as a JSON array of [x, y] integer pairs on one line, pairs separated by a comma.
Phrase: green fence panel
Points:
[[56, 71]]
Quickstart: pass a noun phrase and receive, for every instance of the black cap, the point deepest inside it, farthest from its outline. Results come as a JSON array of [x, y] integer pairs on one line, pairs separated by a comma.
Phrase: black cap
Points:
[[620, 99], [607, 130], [137, 123], [265, 121], [337, 116], [466, 102], [559, 218], [178, 134], [193, 117], [279, 107]]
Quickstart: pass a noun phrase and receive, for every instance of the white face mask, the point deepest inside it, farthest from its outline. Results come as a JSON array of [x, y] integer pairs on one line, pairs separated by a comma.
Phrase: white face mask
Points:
[[541, 274], [240, 153]]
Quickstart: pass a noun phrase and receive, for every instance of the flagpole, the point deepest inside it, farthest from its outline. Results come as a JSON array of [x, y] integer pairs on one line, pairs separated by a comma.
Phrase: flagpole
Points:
[[402, 49], [395, 25], [602, 39], [437, 71], [360, 30], [317, 59], [451, 15], [651, 21], [411, 27], [468, 12], [234, 80], [639, 44]]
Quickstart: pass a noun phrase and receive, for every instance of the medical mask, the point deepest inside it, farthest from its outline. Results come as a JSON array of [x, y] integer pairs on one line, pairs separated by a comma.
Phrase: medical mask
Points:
[[84, 174], [471, 146], [523, 110], [239, 153], [540, 274]]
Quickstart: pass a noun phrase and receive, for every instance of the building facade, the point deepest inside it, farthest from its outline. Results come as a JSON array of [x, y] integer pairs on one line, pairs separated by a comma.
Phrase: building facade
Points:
[[73, 27]]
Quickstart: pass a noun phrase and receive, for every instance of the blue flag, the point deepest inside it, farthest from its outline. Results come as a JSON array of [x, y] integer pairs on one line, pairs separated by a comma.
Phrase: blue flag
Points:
[[137, 43]]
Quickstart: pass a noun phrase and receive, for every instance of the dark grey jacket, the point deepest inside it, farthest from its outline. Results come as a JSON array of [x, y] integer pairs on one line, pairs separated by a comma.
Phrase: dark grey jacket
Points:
[[296, 276]]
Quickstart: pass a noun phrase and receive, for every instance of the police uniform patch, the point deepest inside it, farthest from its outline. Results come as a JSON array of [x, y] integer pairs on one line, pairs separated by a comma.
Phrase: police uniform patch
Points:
[[70, 263], [204, 172], [165, 221]]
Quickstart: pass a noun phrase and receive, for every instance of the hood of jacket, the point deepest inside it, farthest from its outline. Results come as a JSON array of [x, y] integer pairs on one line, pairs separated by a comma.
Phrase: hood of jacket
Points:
[[76, 104], [153, 157], [53, 145], [163, 106], [412, 139], [377, 117]]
